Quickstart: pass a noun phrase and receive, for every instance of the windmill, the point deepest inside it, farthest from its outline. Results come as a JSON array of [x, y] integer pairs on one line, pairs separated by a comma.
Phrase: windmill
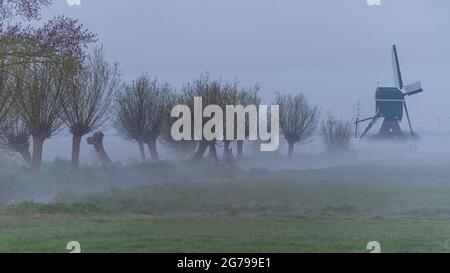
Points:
[[389, 104]]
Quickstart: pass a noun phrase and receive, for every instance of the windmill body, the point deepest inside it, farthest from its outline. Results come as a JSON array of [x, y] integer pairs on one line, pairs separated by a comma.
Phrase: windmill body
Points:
[[390, 104]]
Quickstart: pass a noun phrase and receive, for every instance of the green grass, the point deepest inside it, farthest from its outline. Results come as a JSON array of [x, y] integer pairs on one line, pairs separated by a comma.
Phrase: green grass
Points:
[[182, 209], [194, 233]]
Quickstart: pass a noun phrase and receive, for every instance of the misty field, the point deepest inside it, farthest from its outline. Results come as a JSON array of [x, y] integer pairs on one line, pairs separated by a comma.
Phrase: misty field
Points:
[[168, 207]]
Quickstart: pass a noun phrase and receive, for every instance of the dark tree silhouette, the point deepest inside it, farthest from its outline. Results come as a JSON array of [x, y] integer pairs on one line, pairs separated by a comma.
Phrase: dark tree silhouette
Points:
[[130, 113], [88, 98], [298, 119], [38, 98], [212, 93], [160, 96], [97, 141], [139, 111]]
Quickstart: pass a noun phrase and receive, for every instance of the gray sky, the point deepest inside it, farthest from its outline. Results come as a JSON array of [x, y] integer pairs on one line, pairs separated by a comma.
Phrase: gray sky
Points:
[[333, 51]]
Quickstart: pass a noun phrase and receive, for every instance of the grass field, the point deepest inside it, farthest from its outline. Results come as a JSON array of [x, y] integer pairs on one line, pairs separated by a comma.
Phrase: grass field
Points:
[[195, 233], [339, 209]]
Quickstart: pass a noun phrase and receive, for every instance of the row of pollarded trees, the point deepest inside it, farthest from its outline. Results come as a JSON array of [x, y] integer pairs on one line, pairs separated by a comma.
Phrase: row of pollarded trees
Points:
[[143, 115], [47, 96]]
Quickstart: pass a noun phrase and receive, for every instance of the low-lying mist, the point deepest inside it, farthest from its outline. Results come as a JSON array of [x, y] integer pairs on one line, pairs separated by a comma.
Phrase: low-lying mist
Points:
[[18, 183]]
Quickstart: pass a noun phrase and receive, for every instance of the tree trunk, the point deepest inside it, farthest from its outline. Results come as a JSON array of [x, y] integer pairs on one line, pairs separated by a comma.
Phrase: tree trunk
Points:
[[20, 144], [97, 141], [291, 149], [226, 151], [200, 151], [153, 150], [213, 151], [26, 155], [240, 149], [36, 160], [76, 143], [142, 151]]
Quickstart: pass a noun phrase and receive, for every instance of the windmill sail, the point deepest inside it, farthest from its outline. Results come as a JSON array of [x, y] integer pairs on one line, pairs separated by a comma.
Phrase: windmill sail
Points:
[[396, 66], [409, 122], [413, 88]]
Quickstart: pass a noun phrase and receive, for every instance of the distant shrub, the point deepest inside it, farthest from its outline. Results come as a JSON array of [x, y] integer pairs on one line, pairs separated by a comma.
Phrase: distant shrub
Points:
[[336, 135]]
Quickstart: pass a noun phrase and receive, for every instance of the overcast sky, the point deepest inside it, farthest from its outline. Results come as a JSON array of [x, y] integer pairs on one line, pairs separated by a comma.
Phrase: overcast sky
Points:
[[333, 51]]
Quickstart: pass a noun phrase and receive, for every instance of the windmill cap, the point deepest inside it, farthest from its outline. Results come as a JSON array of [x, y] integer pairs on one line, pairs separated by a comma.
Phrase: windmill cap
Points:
[[389, 93]]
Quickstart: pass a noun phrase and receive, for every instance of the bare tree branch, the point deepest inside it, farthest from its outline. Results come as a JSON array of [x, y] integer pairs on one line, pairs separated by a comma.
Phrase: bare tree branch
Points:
[[26, 9], [336, 134]]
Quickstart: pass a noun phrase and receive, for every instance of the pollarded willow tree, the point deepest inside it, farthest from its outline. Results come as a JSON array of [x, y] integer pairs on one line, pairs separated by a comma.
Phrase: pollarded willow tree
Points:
[[88, 99], [298, 119], [130, 113], [139, 111], [38, 97], [212, 92], [160, 98]]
